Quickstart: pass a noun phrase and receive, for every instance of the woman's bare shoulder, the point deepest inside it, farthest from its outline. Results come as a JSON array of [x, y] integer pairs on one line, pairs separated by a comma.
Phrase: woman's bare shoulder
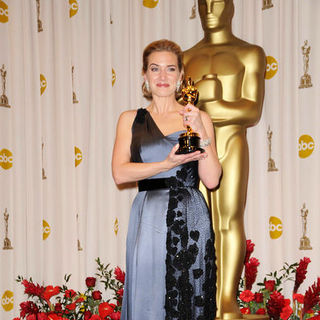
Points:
[[127, 117]]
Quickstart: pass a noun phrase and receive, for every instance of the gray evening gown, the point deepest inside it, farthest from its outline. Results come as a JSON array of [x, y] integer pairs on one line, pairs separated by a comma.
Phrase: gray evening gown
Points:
[[170, 259]]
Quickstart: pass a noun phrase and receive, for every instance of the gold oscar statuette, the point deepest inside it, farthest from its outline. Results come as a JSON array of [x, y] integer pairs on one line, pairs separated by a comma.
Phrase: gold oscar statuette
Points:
[[267, 4], [78, 241], [44, 177], [6, 243], [4, 102], [304, 240], [271, 163], [193, 11], [74, 96], [40, 29], [189, 141], [305, 81]]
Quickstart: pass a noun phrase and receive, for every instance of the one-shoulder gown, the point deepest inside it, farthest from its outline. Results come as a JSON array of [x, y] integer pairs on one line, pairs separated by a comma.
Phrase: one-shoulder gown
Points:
[[170, 257]]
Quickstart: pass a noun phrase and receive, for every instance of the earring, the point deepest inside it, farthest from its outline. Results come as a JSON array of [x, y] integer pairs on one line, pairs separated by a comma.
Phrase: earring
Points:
[[178, 85], [146, 83]]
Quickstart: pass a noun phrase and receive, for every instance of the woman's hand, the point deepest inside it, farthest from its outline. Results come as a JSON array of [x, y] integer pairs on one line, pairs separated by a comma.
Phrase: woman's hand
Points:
[[192, 118], [174, 159]]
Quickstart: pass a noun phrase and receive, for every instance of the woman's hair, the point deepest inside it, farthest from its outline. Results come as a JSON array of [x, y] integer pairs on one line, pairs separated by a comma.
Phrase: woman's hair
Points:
[[159, 46]]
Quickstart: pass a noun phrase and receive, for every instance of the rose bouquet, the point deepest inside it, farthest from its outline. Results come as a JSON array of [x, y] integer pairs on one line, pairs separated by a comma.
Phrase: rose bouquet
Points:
[[268, 299], [57, 303]]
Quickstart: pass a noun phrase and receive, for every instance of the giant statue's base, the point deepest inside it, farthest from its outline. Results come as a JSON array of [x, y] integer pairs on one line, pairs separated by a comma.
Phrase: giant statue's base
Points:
[[245, 316]]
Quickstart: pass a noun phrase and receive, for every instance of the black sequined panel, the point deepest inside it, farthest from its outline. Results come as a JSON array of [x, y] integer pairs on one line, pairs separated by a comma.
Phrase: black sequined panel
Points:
[[190, 261]]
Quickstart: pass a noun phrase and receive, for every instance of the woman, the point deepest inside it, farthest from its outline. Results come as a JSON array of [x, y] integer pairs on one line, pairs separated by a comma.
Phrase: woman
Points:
[[170, 243]]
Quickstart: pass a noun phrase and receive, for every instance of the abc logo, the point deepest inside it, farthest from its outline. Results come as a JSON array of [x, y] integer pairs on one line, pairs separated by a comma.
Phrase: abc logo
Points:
[[73, 4], [150, 3], [272, 67], [46, 230], [78, 156], [275, 227], [306, 146], [7, 300], [113, 77], [43, 83], [6, 159], [4, 13]]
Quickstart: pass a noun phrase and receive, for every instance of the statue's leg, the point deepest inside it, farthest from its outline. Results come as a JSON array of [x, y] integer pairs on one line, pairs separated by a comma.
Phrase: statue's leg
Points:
[[227, 207]]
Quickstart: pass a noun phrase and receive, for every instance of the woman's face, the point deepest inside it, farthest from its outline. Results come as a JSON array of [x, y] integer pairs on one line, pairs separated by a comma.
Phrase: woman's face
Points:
[[162, 73]]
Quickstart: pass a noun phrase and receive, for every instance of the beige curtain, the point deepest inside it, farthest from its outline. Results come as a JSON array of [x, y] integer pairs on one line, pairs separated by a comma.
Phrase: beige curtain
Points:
[[70, 67]]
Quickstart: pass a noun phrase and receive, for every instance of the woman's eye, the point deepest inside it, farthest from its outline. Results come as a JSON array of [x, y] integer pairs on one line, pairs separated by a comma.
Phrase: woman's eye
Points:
[[172, 69], [154, 69]]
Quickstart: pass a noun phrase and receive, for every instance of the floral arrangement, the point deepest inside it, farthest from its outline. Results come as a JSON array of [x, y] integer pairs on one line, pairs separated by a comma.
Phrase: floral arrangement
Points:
[[269, 300], [59, 303]]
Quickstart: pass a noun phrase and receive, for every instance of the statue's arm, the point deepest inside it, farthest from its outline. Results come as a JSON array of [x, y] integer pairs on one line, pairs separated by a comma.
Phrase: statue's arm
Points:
[[247, 109]]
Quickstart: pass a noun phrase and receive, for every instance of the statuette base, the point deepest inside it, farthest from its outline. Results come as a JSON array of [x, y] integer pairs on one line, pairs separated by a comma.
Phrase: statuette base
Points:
[[305, 81], [305, 244], [189, 142]]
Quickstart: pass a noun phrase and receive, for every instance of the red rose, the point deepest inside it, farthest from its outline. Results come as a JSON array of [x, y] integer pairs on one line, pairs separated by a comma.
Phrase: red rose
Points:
[[120, 292], [246, 296], [87, 315], [32, 317], [275, 304], [245, 311], [70, 293], [16, 318], [90, 282], [105, 309], [58, 307], [286, 312], [119, 274], [96, 295], [258, 297], [95, 317], [261, 311], [71, 306], [299, 297], [270, 285], [115, 315], [42, 316], [50, 291]]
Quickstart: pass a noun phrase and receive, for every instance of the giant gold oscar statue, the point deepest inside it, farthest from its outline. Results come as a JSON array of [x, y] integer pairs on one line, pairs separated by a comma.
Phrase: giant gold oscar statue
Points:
[[229, 74]]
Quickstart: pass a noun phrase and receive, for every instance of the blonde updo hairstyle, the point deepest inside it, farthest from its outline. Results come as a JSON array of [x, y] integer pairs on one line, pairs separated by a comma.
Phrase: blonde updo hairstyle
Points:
[[159, 46]]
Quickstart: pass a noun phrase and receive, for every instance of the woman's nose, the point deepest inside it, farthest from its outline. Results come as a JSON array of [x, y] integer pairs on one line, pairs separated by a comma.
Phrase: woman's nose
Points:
[[163, 74]]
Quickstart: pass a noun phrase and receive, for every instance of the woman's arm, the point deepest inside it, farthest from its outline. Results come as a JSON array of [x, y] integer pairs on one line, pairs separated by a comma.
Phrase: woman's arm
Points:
[[125, 171], [200, 122], [210, 168]]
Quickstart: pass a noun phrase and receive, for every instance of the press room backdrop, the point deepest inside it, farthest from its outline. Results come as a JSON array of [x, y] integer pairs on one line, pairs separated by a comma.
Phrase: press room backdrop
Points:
[[70, 67]]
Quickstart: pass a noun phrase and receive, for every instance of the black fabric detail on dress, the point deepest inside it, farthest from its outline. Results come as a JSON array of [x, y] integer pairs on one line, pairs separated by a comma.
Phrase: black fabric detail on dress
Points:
[[143, 130], [181, 301]]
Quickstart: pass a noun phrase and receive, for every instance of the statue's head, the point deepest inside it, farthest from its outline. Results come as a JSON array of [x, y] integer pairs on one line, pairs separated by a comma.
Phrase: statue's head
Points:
[[215, 14]]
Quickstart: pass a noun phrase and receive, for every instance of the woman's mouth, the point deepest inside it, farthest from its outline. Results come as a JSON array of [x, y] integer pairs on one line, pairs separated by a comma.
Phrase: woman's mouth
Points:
[[165, 85]]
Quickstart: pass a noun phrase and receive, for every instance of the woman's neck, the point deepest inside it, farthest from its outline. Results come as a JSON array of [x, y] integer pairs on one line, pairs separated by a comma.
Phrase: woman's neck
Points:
[[163, 105]]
